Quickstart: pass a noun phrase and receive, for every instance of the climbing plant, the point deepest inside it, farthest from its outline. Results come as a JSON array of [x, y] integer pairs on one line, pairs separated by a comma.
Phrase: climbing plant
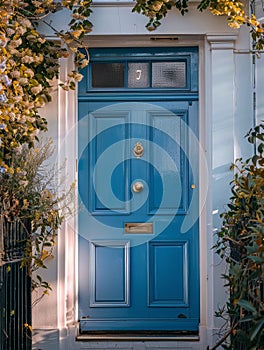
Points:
[[156, 10], [28, 64], [240, 244]]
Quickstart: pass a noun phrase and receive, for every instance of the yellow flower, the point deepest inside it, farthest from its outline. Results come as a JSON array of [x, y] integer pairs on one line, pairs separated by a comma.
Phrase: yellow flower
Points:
[[26, 325], [259, 30], [234, 25], [3, 13], [25, 203], [76, 76], [44, 254], [77, 33], [84, 63], [157, 6]]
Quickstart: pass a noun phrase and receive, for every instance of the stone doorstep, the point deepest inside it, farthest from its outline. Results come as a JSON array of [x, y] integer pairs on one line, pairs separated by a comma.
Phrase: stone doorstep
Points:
[[135, 337]]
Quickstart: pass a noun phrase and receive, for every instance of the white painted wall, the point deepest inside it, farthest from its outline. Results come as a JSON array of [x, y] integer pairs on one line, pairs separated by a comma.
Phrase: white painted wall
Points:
[[225, 116], [41, 313], [119, 20], [260, 88]]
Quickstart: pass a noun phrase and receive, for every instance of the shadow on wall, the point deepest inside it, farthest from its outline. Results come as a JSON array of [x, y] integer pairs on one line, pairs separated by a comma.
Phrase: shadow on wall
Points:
[[45, 340]]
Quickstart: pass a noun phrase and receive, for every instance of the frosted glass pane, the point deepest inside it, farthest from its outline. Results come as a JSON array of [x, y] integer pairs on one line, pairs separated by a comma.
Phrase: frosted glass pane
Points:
[[108, 75], [138, 75], [168, 74]]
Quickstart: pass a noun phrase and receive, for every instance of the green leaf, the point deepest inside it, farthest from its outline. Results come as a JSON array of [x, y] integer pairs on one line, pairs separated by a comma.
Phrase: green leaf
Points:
[[255, 158], [257, 329], [247, 306], [256, 259], [252, 248], [261, 148], [39, 278]]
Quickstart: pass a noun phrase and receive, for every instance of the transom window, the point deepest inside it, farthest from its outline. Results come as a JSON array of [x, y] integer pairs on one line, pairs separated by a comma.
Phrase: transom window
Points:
[[124, 71], [139, 74]]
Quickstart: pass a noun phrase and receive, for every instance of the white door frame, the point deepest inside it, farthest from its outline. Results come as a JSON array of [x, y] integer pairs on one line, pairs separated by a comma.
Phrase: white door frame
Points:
[[212, 50]]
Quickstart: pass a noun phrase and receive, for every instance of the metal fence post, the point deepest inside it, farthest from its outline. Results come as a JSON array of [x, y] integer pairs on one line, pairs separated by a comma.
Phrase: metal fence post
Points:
[[15, 287]]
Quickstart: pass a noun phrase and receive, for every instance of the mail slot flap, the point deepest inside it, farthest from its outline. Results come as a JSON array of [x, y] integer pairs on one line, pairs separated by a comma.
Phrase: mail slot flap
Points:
[[139, 227]]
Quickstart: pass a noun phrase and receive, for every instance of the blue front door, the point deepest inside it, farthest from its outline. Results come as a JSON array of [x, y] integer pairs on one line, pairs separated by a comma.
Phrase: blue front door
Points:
[[138, 189]]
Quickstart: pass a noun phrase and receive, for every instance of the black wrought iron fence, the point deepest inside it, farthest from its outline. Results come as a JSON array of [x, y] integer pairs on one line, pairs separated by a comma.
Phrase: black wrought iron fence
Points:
[[15, 288]]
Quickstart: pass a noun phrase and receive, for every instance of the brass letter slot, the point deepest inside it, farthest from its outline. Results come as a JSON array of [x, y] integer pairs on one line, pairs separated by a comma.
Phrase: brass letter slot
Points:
[[138, 227]]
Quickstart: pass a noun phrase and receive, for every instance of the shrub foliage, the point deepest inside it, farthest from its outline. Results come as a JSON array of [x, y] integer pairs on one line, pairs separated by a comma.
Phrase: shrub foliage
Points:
[[240, 244]]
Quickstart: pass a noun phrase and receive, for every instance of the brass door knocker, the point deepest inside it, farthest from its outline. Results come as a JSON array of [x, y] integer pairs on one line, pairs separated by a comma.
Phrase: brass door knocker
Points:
[[138, 150]]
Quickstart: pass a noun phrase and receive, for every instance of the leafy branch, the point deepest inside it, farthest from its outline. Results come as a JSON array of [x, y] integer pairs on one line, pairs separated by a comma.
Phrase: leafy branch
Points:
[[157, 10], [29, 63], [30, 198], [240, 245]]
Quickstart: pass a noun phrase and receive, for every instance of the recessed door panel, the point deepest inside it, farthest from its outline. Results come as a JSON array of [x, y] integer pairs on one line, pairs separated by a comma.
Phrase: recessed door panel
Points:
[[168, 139], [168, 289], [109, 268], [106, 149]]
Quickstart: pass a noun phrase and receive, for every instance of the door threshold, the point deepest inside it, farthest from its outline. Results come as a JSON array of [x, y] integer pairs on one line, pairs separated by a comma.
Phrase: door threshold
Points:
[[137, 336]]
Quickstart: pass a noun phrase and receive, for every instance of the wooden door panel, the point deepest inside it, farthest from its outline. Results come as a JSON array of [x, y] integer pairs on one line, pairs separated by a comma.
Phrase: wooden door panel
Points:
[[110, 273], [108, 150], [168, 290], [168, 168]]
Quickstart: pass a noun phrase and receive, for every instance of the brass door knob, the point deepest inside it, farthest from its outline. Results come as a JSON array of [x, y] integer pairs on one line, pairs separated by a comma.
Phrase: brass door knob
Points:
[[138, 186]]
